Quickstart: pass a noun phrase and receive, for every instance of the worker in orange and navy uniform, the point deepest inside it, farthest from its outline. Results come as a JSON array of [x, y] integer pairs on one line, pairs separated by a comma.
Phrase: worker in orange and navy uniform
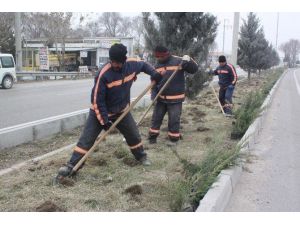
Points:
[[110, 97], [170, 100], [227, 81]]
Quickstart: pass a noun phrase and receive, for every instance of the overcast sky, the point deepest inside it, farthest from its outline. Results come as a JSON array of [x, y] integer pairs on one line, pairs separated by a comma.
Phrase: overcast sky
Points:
[[288, 26]]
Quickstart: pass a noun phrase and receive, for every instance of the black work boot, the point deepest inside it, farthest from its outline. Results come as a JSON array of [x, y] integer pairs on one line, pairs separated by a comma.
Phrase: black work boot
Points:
[[145, 161], [228, 111], [152, 139], [65, 170]]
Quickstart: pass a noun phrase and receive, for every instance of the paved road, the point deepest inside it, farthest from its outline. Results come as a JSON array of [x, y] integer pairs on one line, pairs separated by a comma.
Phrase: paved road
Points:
[[271, 182], [28, 102]]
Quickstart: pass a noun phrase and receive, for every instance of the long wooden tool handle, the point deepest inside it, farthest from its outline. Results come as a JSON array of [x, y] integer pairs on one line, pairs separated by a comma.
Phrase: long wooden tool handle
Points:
[[218, 99]]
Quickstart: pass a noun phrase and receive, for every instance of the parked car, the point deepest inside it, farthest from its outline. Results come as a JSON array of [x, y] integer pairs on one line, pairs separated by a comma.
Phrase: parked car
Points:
[[7, 71]]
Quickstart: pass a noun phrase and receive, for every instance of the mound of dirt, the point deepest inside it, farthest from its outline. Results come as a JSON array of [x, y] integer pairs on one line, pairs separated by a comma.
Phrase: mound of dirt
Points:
[[66, 182], [196, 111], [209, 105], [146, 122], [202, 129], [207, 140], [34, 168], [133, 190], [98, 162], [130, 162], [51, 163], [49, 206], [120, 154]]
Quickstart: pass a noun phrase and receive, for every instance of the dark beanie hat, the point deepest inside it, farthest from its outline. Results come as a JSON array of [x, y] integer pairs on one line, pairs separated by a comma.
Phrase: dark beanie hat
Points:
[[161, 51], [117, 52], [222, 58], [160, 48]]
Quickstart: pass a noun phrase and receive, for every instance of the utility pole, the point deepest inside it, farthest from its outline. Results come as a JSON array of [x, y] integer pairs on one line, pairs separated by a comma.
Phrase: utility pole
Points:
[[18, 41], [224, 28], [235, 37], [277, 29]]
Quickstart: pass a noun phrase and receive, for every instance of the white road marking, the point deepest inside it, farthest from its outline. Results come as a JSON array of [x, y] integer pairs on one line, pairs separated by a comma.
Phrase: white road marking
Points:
[[297, 83]]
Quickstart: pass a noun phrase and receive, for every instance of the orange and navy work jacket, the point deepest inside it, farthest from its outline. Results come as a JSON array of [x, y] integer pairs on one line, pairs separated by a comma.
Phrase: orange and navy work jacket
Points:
[[227, 75], [111, 91], [175, 91]]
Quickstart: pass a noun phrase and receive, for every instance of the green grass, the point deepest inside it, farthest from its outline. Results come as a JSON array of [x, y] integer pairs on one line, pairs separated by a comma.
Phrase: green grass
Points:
[[177, 179], [218, 156], [215, 160], [200, 176], [251, 106]]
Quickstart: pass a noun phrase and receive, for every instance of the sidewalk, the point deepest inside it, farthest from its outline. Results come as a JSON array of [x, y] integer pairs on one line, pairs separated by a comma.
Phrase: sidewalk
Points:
[[271, 179]]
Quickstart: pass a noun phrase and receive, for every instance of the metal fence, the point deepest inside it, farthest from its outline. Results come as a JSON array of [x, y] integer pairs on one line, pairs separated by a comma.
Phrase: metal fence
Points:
[[25, 75]]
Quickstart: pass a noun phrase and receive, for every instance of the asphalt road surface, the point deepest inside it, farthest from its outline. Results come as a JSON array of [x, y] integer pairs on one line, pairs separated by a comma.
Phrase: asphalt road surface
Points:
[[28, 102], [271, 180]]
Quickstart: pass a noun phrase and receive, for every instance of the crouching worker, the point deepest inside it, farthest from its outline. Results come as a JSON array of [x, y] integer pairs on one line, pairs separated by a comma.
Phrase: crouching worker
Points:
[[171, 98], [227, 81], [110, 97]]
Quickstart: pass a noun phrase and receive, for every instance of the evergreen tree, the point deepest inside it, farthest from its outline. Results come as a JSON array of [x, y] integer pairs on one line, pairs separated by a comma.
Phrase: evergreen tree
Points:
[[249, 44], [274, 60], [183, 33], [267, 56]]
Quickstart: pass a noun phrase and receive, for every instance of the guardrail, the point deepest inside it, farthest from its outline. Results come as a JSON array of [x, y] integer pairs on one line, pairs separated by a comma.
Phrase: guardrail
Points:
[[48, 75]]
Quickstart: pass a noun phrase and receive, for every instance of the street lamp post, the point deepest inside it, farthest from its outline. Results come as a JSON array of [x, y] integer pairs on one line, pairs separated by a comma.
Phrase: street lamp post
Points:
[[277, 29], [235, 38], [18, 41]]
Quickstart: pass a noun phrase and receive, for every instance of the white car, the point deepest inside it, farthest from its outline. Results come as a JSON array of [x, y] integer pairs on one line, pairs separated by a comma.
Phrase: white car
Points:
[[7, 71]]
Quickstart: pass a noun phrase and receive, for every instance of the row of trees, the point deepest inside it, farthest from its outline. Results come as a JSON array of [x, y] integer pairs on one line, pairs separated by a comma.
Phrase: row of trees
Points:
[[291, 50], [190, 33], [56, 27], [183, 33], [255, 53]]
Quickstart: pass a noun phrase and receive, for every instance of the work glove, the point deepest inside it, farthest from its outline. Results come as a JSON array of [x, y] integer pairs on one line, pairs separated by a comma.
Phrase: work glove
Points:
[[185, 61], [186, 58], [107, 125], [156, 77]]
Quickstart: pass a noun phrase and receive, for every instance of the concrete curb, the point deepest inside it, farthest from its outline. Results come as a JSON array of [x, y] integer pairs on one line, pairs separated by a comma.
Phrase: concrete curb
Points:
[[40, 129], [36, 130], [218, 196]]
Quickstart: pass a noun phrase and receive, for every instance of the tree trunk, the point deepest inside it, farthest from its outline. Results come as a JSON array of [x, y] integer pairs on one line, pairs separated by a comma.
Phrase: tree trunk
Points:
[[249, 73]]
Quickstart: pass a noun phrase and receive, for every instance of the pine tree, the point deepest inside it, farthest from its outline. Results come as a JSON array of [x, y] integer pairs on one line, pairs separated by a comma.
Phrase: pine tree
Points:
[[249, 44], [183, 33], [274, 59]]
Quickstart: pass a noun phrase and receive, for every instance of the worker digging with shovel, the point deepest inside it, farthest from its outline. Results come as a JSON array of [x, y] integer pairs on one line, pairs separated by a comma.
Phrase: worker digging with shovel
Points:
[[110, 100], [170, 99], [227, 81]]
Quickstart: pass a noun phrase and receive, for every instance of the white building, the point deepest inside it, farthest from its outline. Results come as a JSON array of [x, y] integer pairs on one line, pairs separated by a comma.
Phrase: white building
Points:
[[91, 52]]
